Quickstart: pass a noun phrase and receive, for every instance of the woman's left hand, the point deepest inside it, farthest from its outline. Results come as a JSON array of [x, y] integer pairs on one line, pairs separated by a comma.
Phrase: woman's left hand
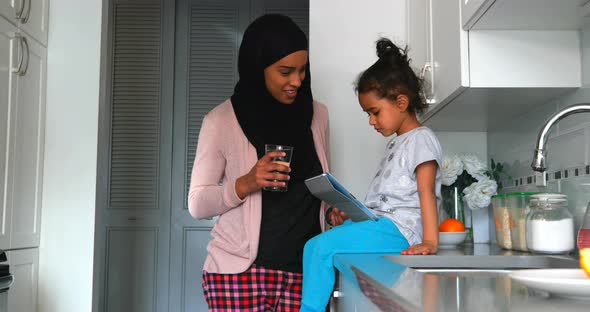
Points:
[[337, 217], [425, 248]]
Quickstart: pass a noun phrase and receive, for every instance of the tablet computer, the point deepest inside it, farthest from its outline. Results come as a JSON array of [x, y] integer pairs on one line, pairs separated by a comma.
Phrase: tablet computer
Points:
[[327, 188]]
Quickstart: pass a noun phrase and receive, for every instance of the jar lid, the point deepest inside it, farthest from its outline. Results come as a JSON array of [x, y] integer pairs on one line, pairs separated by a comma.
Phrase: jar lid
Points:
[[549, 198]]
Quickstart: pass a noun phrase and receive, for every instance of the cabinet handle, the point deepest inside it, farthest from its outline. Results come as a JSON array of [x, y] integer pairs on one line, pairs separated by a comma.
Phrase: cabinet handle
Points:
[[25, 18], [429, 98], [21, 55], [18, 14], [425, 68], [23, 71]]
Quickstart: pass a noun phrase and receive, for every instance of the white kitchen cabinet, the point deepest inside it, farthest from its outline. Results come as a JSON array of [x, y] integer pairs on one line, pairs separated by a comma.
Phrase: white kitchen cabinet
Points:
[[27, 146], [472, 10], [24, 266], [22, 130], [10, 10], [483, 77], [437, 48], [35, 19], [31, 16], [449, 50], [523, 14], [420, 40], [7, 46]]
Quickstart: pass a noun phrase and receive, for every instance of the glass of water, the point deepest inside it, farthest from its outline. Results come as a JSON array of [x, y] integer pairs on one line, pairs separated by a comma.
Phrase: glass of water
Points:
[[285, 160]]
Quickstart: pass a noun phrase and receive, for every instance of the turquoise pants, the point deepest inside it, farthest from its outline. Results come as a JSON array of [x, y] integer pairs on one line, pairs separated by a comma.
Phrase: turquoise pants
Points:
[[381, 236]]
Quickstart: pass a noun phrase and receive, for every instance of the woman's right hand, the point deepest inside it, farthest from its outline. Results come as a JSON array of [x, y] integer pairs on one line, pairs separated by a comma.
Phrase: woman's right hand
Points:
[[262, 175]]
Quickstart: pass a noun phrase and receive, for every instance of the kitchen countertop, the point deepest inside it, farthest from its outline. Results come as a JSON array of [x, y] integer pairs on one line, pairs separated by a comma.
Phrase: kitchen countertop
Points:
[[395, 286]]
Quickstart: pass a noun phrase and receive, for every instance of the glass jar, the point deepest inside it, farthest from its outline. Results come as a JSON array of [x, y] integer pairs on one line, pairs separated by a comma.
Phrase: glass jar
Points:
[[502, 221], [584, 232], [519, 208], [550, 226]]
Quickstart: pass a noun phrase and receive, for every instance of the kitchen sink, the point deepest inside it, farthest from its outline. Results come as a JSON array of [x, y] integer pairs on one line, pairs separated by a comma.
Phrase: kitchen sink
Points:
[[486, 262]]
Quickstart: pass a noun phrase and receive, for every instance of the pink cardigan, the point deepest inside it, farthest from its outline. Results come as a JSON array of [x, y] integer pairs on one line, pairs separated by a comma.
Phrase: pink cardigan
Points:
[[223, 155]]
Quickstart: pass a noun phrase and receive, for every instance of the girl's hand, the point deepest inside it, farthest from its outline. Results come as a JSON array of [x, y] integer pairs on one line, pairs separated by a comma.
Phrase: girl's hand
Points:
[[426, 248], [262, 175], [337, 217]]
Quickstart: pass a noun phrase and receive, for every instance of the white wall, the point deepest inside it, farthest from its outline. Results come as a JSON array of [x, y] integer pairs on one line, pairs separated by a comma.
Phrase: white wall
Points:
[[69, 181], [342, 44], [464, 142]]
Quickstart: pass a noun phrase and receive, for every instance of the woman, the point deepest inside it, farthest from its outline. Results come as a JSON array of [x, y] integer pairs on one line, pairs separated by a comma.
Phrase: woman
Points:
[[255, 256]]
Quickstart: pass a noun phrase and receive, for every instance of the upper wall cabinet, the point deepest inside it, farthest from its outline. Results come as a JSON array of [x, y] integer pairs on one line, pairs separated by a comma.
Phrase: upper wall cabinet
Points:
[[476, 79], [522, 14], [31, 16], [471, 10]]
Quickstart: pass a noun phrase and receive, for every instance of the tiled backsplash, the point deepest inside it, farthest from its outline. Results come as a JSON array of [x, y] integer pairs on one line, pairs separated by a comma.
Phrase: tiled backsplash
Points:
[[515, 182], [568, 150]]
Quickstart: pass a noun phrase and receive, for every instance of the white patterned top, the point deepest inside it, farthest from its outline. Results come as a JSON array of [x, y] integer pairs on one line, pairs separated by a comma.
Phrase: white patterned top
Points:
[[394, 190]]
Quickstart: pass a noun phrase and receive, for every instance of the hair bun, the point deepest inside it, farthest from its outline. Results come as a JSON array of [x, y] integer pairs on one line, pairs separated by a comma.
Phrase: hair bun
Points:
[[388, 51], [385, 47]]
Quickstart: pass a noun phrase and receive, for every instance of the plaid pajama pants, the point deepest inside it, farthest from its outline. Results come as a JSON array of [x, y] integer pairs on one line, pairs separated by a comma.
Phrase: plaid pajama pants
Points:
[[256, 289]]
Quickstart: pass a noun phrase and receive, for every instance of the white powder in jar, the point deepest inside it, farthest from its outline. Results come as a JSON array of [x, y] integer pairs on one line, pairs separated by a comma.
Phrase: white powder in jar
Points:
[[550, 236]]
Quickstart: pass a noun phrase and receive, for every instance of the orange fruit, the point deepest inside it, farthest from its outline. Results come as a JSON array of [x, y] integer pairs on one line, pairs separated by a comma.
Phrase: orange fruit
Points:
[[451, 225], [585, 260]]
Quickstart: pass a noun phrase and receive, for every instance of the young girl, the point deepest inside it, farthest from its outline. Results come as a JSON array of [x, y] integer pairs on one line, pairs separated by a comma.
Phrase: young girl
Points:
[[405, 191]]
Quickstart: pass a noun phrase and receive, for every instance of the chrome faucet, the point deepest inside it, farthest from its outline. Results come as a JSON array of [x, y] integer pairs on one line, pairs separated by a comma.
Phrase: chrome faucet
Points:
[[538, 164]]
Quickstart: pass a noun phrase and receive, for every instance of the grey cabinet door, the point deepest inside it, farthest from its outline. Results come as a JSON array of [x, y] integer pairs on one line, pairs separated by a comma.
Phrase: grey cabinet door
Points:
[[135, 159], [207, 40]]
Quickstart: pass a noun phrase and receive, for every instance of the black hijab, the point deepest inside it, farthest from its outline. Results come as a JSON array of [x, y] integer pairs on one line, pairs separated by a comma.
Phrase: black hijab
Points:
[[263, 119]]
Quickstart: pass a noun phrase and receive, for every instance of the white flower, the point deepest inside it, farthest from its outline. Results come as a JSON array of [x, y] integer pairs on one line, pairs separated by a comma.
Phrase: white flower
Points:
[[474, 167], [451, 168], [479, 194]]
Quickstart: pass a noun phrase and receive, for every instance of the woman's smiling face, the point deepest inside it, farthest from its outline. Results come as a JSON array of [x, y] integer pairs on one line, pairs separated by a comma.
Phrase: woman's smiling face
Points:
[[284, 77]]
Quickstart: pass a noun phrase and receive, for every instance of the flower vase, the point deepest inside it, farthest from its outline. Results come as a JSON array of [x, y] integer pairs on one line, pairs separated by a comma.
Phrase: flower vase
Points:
[[452, 204], [453, 207], [478, 222], [468, 223]]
